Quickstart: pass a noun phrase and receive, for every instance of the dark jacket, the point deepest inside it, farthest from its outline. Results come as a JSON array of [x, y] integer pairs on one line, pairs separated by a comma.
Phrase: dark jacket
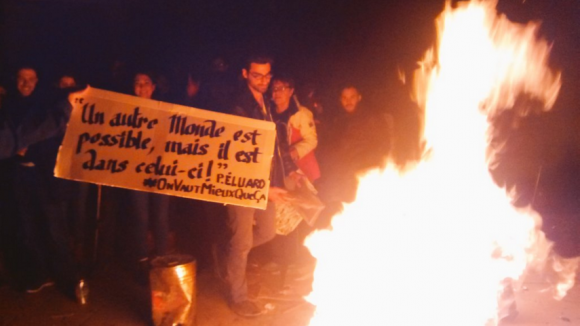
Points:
[[245, 105], [38, 123], [26, 121], [361, 139]]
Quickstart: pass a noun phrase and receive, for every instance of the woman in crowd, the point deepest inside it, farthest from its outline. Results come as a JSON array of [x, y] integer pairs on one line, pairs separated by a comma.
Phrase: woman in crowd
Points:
[[295, 127], [148, 208]]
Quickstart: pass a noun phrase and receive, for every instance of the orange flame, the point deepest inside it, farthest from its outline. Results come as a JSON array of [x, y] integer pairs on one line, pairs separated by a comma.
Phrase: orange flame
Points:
[[435, 244]]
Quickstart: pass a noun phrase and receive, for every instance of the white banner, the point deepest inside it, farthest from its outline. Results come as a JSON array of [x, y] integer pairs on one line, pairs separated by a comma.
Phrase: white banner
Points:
[[125, 141]]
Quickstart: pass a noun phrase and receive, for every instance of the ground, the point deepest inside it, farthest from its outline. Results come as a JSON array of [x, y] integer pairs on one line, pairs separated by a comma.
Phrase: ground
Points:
[[115, 299]]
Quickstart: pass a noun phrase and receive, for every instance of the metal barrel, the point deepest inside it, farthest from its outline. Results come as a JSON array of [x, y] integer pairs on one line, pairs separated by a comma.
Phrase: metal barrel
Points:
[[173, 290]]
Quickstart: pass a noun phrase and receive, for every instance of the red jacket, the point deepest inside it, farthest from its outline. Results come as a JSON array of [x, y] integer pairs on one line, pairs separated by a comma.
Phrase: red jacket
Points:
[[303, 138]]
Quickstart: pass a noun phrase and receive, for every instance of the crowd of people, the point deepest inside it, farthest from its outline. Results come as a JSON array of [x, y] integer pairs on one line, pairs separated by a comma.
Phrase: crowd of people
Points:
[[49, 225]]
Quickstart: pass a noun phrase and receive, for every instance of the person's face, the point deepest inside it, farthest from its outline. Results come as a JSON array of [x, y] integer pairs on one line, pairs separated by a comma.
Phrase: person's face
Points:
[[143, 86], [258, 76], [66, 82], [349, 98], [281, 94], [26, 81]]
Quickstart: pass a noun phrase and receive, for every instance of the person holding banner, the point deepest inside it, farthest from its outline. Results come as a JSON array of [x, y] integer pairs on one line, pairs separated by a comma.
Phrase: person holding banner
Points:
[[148, 207], [251, 227], [31, 130], [40, 229]]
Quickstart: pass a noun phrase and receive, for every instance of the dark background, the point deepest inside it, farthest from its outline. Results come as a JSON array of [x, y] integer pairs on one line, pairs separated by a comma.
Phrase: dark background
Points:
[[323, 42], [318, 41]]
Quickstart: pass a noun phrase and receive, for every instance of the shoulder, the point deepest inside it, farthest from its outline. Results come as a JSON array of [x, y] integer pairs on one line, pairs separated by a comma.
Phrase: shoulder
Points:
[[242, 103], [303, 118], [304, 112], [239, 111]]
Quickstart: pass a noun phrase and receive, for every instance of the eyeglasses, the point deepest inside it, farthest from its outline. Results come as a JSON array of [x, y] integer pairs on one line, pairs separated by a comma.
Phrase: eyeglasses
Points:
[[256, 75], [280, 88]]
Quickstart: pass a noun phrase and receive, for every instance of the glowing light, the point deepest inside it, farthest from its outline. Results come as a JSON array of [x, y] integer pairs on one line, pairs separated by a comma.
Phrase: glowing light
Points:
[[435, 244]]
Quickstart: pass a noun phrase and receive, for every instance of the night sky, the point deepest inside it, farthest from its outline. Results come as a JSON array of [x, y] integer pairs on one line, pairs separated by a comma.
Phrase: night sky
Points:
[[317, 41], [323, 42]]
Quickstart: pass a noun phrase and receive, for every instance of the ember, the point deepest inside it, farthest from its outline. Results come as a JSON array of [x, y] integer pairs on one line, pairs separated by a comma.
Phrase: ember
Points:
[[436, 244]]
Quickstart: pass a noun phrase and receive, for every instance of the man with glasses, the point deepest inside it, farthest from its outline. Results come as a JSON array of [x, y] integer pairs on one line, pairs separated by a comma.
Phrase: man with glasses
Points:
[[250, 102], [250, 227]]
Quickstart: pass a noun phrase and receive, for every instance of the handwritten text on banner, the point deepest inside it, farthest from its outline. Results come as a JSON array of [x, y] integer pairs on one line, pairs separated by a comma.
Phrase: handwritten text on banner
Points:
[[129, 142]]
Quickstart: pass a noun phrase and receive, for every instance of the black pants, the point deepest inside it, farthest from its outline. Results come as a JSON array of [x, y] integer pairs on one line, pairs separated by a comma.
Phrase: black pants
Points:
[[43, 228]]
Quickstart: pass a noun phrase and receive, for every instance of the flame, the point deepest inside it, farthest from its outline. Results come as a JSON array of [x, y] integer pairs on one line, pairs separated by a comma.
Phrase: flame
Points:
[[435, 244]]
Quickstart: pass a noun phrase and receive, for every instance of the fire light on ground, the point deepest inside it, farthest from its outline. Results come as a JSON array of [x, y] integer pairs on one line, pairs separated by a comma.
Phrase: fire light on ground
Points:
[[434, 245]]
